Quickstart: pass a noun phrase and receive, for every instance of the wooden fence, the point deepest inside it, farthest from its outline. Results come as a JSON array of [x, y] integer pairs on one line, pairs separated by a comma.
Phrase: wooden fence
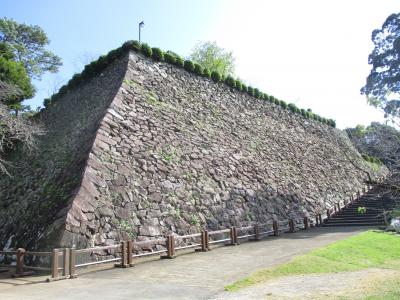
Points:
[[64, 262]]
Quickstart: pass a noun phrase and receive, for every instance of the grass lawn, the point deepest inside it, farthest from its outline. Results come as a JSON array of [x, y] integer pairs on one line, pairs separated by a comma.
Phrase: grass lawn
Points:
[[365, 250]]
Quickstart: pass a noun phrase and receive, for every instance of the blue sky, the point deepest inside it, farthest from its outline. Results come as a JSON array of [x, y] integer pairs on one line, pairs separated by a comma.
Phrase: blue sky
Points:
[[313, 53]]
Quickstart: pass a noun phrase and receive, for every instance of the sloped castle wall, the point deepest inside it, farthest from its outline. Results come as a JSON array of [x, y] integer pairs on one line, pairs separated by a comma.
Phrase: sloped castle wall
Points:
[[153, 149], [178, 152]]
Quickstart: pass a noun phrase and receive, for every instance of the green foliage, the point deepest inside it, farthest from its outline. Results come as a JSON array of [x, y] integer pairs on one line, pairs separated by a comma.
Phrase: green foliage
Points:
[[250, 91], [230, 81], [209, 55], [283, 104], [189, 65], [292, 107], [146, 50], [215, 76], [131, 45], [257, 93], [366, 250], [361, 210], [194, 220], [371, 159], [28, 43], [383, 83], [169, 58], [277, 101], [198, 69], [14, 73], [244, 88], [179, 61], [46, 102], [238, 85], [157, 54], [207, 73]]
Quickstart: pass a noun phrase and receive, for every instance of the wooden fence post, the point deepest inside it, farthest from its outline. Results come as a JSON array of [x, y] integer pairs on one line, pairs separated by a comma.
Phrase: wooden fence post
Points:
[[205, 245], [170, 244], [275, 228], [66, 262], [129, 250], [233, 236], [20, 262], [316, 221], [124, 256], [54, 263], [256, 232], [305, 220], [72, 263], [320, 219]]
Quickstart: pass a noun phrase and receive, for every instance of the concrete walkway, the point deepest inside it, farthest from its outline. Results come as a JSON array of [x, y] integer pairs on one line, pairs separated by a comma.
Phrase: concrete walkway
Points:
[[189, 276]]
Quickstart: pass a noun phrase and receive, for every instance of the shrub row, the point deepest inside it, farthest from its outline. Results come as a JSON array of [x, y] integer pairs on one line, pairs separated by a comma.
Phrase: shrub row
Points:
[[170, 57]]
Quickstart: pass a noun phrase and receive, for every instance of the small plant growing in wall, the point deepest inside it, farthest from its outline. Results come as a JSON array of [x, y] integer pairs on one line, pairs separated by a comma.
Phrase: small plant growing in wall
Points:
[[194, 220], [168, 154]]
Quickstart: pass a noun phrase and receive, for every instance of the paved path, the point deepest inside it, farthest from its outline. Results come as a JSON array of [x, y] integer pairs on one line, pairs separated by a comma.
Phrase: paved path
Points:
[[189, 276]]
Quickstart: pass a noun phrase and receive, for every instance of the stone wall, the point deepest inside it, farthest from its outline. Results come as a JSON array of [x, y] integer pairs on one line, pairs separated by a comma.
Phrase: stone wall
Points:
[[169, 151], [35, 199]]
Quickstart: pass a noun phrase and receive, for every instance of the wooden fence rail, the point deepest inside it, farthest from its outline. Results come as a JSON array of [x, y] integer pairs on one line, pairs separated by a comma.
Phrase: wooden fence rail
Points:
[[200, 241]]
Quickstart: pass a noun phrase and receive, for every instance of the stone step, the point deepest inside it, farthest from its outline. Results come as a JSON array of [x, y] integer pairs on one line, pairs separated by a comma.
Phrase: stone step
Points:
[[352, 224], [355, 221]]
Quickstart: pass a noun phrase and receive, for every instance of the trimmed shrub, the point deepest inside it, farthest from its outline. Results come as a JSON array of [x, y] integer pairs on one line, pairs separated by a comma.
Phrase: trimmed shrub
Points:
[[250, 91], [238, 85], [157, 54], [230, 81], [169, 58], [46, 102], [303, 112], [207, 73], [198, 69], [179, 61], [62, 90], [271, 99], [131, 45], [189, 65], [292, 107], [257, 93], [276, 101], [244, 88], [146, 50], [215, 76], [283, 104]]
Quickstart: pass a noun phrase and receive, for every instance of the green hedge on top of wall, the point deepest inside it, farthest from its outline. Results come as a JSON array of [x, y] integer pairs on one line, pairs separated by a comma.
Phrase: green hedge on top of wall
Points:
[[96, 67]]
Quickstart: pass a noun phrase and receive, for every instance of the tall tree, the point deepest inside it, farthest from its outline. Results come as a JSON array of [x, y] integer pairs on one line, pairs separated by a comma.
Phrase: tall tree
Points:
[[382, 87], [13, 74], [209, 55], [28, 43]]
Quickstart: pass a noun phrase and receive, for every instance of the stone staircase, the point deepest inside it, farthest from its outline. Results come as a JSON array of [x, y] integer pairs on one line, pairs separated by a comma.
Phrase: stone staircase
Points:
[[349, 216]]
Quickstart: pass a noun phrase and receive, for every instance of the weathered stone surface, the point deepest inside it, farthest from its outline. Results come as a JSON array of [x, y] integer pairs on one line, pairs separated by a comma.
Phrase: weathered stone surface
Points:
[[148, 149]]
